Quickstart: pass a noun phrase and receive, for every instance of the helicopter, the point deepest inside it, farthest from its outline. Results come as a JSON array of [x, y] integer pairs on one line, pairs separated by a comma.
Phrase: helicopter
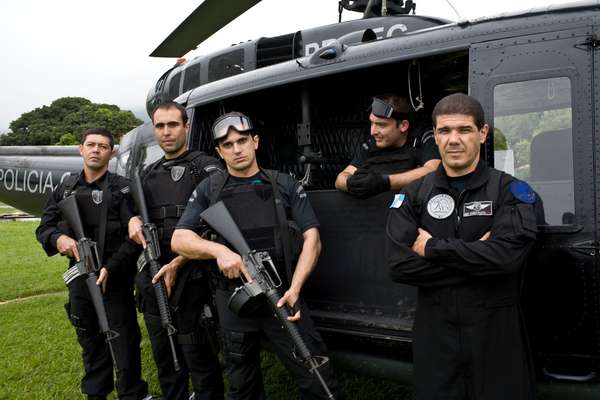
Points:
[[536, 74]]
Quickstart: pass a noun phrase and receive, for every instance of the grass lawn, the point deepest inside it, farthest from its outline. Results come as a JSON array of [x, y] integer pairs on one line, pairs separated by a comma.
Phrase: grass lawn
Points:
[[25, 270], [40, 356]]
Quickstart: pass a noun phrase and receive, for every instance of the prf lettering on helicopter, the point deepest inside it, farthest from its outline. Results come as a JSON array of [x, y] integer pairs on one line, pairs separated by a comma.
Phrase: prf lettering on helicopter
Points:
[[537, 74]]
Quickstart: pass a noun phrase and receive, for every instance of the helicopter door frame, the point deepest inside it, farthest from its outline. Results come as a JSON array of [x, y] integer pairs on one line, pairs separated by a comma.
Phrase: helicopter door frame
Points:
[[563, 271]]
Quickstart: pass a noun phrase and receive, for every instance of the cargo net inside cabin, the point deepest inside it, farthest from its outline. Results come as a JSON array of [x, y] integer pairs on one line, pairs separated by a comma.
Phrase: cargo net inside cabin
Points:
[[337, 121]]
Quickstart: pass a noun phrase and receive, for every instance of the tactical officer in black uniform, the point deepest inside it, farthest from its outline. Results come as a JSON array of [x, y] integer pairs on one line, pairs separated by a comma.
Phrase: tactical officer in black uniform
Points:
[[251, 195], [462, 235], [168, 184], [395, 155], [104, 205]]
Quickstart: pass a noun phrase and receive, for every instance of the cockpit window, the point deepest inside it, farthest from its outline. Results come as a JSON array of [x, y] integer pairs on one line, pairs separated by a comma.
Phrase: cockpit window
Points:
[[150, 154], [533, 141], [122, 162]]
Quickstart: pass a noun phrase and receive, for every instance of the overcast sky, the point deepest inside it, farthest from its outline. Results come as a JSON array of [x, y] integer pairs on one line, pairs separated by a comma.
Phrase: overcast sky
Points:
[[99, 49]]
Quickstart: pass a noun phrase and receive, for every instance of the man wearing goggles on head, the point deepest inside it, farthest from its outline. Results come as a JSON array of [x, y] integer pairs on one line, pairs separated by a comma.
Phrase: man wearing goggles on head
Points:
[[389, 159], [273, 214]]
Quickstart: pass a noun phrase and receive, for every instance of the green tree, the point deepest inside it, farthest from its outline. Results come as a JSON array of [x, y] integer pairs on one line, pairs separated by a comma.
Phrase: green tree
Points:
[[67, 139], [48, 125]]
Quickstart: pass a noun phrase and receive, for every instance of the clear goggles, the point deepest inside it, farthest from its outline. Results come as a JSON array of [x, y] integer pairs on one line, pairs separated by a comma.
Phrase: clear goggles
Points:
[[381, 109], [237, 121]]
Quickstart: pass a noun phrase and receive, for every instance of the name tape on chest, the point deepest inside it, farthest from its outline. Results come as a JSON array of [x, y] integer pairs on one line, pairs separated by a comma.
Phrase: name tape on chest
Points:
[[440, 206], [478, 208]]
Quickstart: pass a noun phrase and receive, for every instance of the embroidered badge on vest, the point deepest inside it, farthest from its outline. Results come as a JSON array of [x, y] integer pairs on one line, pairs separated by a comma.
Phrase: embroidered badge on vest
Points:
[[177, 172], [476, 208], [440, 206], [97, 196]]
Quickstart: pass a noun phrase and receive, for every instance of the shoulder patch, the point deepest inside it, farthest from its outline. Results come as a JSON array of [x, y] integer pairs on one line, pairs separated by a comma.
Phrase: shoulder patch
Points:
[[522, 191], [125, 189], [211, 168], [398, 200]]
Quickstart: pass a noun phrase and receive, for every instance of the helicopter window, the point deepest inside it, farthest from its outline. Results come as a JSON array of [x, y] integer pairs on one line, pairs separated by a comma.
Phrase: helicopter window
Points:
[[533, 141], [191, 79], [174, 86], [150, 154], [122, 162], [225, 65]]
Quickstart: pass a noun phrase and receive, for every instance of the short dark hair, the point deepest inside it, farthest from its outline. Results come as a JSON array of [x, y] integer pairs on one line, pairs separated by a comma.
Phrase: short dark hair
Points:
[[171, 104], [99, 131], [459, 103], [398, 103]]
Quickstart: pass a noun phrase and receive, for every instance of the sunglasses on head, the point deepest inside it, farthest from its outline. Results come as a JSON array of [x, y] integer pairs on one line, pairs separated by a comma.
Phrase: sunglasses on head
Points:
[[381, 109], [237, 121]]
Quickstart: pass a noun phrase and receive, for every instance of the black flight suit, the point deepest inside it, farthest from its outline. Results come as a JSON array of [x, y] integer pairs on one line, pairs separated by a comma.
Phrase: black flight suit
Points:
[[251, 204], [119, 259], [168, 185], [469, 339]]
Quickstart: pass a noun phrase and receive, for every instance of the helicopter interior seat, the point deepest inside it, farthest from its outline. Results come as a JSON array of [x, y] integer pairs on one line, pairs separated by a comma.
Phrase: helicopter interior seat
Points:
[[551, 174]]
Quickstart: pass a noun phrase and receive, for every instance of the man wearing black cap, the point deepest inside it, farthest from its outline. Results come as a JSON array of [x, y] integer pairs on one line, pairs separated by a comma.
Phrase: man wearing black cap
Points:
[[389, 159], [257, 198]]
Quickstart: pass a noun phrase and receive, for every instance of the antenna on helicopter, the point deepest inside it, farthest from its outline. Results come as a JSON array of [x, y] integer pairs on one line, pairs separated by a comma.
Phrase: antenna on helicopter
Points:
[[377, 8]]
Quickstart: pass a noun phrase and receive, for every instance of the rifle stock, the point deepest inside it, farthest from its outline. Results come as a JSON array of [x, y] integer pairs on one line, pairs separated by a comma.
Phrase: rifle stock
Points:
[[70, 213], [137, 192], [89, 265], [219, 219], [152, 256]]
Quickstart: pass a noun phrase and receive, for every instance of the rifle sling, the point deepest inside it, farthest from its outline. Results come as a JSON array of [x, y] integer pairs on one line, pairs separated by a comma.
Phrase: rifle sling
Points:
[[282, 220], [106, 199]]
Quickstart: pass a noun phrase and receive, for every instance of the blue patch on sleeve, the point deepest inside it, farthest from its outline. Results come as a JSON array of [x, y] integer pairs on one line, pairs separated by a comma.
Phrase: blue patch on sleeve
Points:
[[398, 200], [522, 191]]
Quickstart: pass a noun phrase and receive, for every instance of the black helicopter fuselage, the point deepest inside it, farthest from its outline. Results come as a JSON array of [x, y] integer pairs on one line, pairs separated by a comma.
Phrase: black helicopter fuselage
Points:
[[537, 76]]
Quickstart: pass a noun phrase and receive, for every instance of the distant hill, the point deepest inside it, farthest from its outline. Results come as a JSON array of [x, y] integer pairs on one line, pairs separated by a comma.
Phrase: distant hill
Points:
[[139, 112]]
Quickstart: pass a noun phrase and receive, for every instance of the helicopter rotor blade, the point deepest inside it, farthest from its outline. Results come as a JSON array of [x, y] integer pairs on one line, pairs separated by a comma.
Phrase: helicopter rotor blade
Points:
[[206, 19]]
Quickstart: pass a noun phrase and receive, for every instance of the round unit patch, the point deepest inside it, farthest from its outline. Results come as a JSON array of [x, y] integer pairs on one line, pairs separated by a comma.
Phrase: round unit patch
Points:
[[440, 206]]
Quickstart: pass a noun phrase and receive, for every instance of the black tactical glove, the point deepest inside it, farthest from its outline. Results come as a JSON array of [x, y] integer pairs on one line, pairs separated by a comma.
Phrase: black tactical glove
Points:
[[366, 184]]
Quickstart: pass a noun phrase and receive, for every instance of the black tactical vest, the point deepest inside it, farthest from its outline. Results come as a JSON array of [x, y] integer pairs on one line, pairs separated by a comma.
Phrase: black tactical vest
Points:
[[252, 207], [390, 162], [90, 201], [168, 185]]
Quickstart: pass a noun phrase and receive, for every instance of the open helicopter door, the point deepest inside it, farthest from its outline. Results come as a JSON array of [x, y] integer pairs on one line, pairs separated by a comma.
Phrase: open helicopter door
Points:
[[537, 92]]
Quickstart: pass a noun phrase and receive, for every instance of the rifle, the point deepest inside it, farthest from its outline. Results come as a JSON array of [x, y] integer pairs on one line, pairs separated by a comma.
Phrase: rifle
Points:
[[152, 256], [89, 265], [219, 219]]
